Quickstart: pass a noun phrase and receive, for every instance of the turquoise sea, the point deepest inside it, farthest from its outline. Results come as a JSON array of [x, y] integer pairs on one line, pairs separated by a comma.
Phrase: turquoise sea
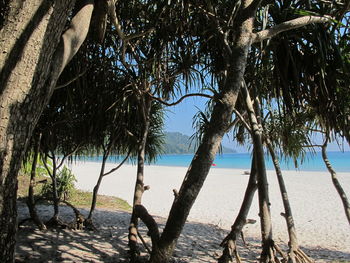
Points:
[[312, 162]]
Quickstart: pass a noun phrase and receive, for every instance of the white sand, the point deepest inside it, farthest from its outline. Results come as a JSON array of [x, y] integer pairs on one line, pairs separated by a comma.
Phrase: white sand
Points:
[[317, 208]]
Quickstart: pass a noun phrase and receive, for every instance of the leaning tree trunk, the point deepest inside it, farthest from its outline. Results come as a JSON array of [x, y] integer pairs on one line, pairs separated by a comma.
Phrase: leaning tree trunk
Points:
[[139, 185], [97, 186], [295, 253], [33, 54], [268, 253], [229, 242], [217, 127], [88, 222], [335, 181], [31, 201]]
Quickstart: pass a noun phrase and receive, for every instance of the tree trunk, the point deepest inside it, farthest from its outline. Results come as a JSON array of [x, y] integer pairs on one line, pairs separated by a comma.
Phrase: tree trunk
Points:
[[267, 254], [335, 181], [31, 202], [139, 185], [55, 197], [97, 186], [295, 254], [229, 242], [218, 125], [88, 222], [31, 60]]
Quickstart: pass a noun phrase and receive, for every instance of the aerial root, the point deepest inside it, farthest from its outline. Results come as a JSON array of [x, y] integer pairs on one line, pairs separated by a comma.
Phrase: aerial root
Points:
[[270, 252], [89, 224], [230, 249], [79, 218], [281, 253], [301, 257], [234, 251], [56, 222]]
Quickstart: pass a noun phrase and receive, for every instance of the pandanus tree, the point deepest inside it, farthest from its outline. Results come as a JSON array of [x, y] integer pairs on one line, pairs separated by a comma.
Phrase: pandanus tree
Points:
[[146, 58], [294, 76], [59, 127], [104, 106], [35, 49], [233, 54], [304, 73]]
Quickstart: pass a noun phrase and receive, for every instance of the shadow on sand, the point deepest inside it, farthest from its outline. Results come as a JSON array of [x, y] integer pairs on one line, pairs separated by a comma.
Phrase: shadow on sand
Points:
[[198, 243]]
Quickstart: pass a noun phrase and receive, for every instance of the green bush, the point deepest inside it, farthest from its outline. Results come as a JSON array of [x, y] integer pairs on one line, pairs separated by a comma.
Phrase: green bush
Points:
[[65, 185]]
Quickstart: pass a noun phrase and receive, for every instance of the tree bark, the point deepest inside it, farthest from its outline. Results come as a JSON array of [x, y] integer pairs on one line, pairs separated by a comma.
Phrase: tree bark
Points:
[[218, 125], [55, 197], [139, 185], [229, 242], [295, 254], [88, 221], [267, 254], [31, 60], [97, 186], [336, 182]]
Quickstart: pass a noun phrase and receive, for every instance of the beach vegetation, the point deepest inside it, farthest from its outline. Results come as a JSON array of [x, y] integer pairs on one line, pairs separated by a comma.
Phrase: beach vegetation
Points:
[[79, 198]]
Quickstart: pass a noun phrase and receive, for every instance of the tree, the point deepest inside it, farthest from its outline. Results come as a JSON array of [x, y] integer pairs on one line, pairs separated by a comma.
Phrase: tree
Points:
[[31, 201], [30, 32], [229, 242]]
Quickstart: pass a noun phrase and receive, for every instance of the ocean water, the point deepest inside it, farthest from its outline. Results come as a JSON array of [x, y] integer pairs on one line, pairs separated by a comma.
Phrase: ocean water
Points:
[[312, 162]]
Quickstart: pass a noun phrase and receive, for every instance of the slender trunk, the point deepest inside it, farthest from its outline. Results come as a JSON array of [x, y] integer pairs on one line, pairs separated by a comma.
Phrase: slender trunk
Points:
[[31, 53], [55, 197], [31, 202], [267, 254], [139, 185], [293, 240], [229, 242], [335, 181], [97, 186], [217, 127]]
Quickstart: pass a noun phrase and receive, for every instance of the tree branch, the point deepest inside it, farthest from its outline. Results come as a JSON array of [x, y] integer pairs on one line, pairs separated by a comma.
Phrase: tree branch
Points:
[[70, 81], [181, 99], [240, 117], [116, 168], [288, 25], [142, 213], [74, 36], [67, 155]]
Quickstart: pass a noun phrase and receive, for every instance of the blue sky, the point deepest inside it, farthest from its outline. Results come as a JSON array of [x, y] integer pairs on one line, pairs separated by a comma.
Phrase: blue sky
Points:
[[179, 119]]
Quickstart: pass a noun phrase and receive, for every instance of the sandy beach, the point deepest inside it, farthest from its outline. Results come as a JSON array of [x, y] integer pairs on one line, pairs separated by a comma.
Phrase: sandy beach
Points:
[[323, 230]]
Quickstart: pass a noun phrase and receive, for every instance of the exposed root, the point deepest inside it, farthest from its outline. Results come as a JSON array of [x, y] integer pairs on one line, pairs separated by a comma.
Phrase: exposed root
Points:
[[79, 218], [229, 251], [89, 225], [20, 223], [280, 252], [269, 253], [56, 222], [229, 243], [298, 256]]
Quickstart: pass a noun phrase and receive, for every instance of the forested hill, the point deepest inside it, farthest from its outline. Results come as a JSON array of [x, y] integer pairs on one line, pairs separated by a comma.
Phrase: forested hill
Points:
[[178, 143]]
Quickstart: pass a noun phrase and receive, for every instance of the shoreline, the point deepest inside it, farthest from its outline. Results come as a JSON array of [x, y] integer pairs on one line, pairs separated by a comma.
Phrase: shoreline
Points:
[[311, 162], [317, 208]]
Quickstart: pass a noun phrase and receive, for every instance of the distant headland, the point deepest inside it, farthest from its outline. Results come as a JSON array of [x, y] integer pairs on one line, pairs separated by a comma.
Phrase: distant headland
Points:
[[178, 143]]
